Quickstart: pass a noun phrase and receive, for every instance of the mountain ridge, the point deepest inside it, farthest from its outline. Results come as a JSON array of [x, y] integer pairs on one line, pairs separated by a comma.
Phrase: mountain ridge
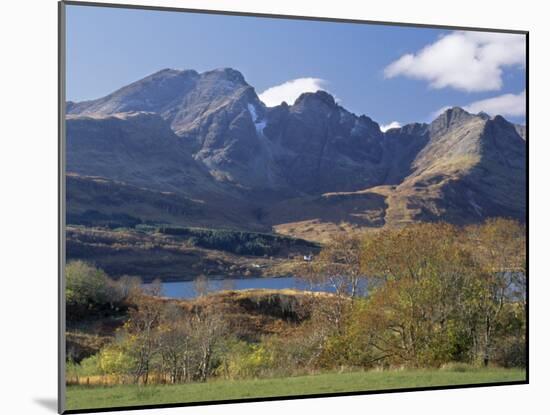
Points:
[[214, 137]]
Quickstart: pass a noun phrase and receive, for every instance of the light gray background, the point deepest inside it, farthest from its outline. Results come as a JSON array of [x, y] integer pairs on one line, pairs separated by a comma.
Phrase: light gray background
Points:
[[28, 167]]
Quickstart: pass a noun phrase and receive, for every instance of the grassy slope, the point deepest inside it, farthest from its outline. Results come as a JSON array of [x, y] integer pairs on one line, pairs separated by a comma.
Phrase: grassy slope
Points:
[[79, 397], [174, 258]]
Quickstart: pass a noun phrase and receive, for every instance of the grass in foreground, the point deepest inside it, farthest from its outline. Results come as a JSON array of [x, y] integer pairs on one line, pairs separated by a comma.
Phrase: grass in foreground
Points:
[[81, 397]]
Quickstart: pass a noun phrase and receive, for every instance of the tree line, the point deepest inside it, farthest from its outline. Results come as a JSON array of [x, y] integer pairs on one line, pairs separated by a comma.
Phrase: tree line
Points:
[[438, 293], [426, 295], [238, 242]]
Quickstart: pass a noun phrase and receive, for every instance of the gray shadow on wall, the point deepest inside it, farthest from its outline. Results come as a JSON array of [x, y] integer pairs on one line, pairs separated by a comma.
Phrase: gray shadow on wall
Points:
[[48, 403]]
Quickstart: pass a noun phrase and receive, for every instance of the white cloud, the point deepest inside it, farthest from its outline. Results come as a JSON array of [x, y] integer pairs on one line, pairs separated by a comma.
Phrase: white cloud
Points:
[[467, 61], [386, 127], [291, 90], [506, 105]]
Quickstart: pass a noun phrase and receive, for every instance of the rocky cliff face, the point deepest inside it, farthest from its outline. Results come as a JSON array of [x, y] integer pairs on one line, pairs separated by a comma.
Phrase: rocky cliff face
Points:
[[209, 135], [471, 167], [134, 147]]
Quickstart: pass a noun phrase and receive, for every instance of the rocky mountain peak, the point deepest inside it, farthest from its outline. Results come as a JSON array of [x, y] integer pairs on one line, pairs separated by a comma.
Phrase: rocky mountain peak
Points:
[[226, 74], [449, 119], [501, 120], [505, 134], [153, 93], [370, 125], [413, 129], [319, 96], [172, 72], [191, 130], [455, 114]]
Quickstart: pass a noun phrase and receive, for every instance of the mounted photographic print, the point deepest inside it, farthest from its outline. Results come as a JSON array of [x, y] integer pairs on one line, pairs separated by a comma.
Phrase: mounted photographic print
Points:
[[258, 207]]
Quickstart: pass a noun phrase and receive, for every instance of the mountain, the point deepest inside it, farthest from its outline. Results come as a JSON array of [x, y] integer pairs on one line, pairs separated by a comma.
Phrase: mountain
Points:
[[158, 93], [470, 168], [309, 168], [314, 145], [134, 147], [132, 164]]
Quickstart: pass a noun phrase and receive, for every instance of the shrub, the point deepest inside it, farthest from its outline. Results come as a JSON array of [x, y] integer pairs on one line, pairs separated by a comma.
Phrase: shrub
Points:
[[85, 284], [248, 361], [89, 290], [87, 367], [115, 360]]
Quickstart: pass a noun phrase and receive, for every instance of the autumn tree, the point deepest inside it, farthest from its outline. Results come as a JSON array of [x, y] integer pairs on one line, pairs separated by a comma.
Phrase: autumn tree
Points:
[[177, 344], [129, 287], [208, 326], [338, 265], [417, 312], [89, 290], [85, 284], [142, 329], [201, 285], [499, 247]]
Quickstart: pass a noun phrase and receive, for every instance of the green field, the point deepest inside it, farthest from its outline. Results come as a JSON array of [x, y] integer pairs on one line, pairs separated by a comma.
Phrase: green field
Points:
[[80, 397]]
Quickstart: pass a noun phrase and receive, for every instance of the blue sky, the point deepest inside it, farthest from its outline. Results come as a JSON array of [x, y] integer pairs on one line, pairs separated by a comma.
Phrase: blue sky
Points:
[[390, 73]]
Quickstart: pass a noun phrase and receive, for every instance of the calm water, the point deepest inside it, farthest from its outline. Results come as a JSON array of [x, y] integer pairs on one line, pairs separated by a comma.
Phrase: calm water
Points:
[[186, 289]]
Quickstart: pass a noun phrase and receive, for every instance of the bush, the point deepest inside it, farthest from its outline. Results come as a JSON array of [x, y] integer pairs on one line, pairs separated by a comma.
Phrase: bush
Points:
[[89, 290], [115, 360], [87, 367], [85, 285], [248, 361]]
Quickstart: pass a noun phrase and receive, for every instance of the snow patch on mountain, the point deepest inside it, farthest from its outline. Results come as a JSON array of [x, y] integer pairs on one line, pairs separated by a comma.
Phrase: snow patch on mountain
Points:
[[260, 125]]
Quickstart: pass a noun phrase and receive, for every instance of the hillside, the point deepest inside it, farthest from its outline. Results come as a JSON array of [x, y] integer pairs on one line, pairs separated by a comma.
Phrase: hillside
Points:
[[179, 254], [251, 315], [200, 149]]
